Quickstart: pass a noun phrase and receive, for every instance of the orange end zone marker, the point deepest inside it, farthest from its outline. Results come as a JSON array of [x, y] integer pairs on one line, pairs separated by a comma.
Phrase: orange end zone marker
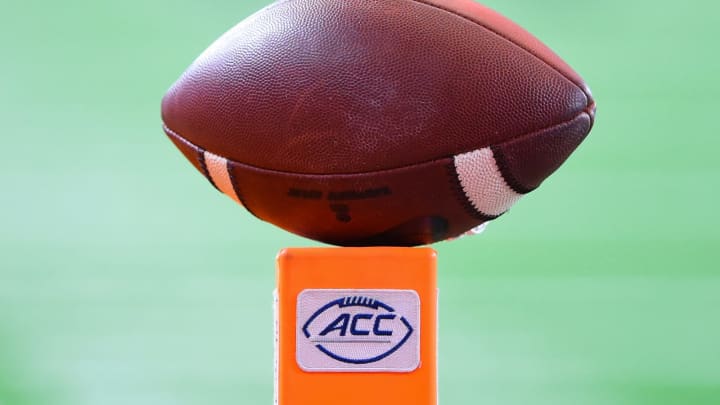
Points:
[[356, 326]]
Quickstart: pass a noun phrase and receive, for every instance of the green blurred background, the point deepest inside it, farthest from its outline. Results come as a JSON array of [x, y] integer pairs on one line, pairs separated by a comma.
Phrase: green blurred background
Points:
[[126, 279]]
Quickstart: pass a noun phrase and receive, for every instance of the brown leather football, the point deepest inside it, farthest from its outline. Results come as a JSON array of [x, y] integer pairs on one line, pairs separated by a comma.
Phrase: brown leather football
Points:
[[377, 122]]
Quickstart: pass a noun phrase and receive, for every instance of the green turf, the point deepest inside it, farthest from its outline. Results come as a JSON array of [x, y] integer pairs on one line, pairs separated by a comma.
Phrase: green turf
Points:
[[125, 279]]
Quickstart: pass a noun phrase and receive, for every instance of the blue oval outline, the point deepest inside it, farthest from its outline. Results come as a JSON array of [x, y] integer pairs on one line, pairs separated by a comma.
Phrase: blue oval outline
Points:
[[361, 302]]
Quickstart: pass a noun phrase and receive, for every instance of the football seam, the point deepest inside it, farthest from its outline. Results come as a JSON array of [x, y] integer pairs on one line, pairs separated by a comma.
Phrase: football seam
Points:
[[580, 86], [451, 170], [458, 190], [200, 155], [451, 156]]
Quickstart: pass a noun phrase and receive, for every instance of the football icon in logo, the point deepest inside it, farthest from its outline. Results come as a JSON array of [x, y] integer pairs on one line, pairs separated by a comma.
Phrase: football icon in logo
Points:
[[361, 330], [372, 330]]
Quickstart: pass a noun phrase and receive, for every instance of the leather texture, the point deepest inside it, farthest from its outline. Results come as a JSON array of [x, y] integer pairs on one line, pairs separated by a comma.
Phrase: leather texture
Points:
[[369, 101]]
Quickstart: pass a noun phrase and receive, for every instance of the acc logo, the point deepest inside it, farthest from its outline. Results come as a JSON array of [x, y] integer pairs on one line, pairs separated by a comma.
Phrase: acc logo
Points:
[[374, 330]]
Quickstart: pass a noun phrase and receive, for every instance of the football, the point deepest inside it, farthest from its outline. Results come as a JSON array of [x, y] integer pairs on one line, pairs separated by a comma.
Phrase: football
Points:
[[377, 122]]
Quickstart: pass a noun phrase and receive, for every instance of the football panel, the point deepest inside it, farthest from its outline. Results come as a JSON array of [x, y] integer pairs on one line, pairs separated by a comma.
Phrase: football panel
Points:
[[410, 206], [367, 80], [191, 152]]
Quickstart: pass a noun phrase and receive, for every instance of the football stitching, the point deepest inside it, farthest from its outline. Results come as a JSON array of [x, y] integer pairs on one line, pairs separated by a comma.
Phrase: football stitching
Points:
[[506, 38]]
